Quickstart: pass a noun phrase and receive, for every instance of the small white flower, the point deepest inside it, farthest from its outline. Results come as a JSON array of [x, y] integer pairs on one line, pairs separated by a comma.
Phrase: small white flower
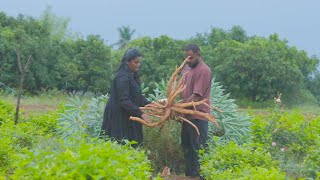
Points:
[[273, 143]]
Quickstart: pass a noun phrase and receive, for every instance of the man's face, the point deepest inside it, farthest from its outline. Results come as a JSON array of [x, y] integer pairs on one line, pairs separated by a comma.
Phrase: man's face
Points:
[[134, 64], [193, 58]]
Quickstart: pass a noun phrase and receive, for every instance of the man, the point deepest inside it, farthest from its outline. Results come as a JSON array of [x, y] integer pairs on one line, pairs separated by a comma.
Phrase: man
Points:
[[198, 86]]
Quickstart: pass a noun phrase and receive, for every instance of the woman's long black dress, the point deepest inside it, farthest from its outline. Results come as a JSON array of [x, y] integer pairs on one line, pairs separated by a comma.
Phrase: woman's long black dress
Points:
[[125, 100]]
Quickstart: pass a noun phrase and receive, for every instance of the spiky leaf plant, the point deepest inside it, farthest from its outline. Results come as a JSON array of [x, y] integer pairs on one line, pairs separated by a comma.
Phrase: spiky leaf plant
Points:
[[160, 92], [235, 126], [81, 118]]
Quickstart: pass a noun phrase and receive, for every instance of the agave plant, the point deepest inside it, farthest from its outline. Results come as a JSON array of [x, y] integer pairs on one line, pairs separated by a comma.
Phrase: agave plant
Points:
[[81, 118], [235, 125], [160, 92]]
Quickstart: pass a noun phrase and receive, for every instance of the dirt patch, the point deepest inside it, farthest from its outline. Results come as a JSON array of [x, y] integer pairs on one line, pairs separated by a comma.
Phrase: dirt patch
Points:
[[36, 108]]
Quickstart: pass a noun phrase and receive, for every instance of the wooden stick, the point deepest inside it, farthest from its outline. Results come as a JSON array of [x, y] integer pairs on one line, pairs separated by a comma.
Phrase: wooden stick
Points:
[[144, 122], [174, 75], [197, 113], [189, 122], [190, 104]]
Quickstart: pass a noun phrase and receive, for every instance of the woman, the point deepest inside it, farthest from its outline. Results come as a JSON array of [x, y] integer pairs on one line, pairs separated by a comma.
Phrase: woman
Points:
[[125, 100]]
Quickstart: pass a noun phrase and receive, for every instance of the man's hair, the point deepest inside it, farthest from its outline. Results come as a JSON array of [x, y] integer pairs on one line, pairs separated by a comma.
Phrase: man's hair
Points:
[[194, 48]]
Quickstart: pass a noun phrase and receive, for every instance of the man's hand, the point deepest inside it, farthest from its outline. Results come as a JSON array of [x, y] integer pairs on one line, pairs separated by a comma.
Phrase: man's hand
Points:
[[194, 97], [188, 58]]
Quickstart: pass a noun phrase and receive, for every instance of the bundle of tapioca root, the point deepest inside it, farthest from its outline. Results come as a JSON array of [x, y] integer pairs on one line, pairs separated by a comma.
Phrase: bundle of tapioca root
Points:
[[170, 109]]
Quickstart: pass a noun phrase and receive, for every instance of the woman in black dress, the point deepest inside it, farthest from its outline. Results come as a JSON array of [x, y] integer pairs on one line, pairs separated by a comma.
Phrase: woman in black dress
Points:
[[125, 100]]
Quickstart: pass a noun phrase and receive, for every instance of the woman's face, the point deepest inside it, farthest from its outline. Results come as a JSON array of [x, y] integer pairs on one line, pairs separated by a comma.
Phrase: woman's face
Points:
[[134, 64]]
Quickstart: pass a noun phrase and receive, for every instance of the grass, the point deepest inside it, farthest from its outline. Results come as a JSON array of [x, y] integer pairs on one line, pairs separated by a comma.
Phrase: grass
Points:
[[309, 109], [40, 103]]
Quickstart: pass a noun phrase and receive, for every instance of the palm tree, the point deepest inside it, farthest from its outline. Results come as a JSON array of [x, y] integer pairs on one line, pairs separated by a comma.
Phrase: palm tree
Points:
[[125, 33]]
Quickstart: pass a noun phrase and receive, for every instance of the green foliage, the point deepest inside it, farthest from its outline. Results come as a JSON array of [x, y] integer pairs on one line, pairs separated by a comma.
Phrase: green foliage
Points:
[[257, 69], [314, 86], [287, 136], [46, 121], [160, 57], [56, 61], [7, 112], [234, 125], [301, 97], [232, 161], [125, 33], [312, 161], [94, 159], [247, 103], [14, 138], [57, 26], [83, 66], [164, 147], [286, 129], [159, 92], [94, 114], [79, 118]]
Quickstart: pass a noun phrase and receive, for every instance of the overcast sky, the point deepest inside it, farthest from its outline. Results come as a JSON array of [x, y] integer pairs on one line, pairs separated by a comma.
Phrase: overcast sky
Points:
[[298, 21]]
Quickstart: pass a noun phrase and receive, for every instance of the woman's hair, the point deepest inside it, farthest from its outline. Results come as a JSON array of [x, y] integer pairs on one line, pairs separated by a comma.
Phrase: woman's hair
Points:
[[131, 54]]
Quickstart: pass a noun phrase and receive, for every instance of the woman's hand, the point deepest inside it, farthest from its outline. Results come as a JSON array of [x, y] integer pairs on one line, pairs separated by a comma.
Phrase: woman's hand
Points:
[[163, 101], [146, 118]]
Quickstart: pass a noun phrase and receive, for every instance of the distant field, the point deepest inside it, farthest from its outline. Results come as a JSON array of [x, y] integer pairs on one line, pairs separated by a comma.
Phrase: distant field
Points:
[[39, 104], [43, 103]]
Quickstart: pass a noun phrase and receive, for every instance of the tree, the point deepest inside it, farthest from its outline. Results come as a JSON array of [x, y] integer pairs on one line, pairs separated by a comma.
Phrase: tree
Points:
[[314, 85], [216, 36], [23, 70], [257, 69], [237, 33], [86, 66], [160, 57], [125, 33], [56, 26], [19, 41]]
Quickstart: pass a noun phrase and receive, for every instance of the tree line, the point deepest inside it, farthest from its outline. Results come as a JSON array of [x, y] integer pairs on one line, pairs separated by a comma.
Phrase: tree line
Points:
[[250, 67]]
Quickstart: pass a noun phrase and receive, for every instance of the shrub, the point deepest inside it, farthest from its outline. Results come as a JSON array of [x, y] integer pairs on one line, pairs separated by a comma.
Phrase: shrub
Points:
[[94, 159], [312, 161], [7, 112], [13, 139], [286, 129], [164, 147], [46, 121], [287, 136], [232, 161]]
